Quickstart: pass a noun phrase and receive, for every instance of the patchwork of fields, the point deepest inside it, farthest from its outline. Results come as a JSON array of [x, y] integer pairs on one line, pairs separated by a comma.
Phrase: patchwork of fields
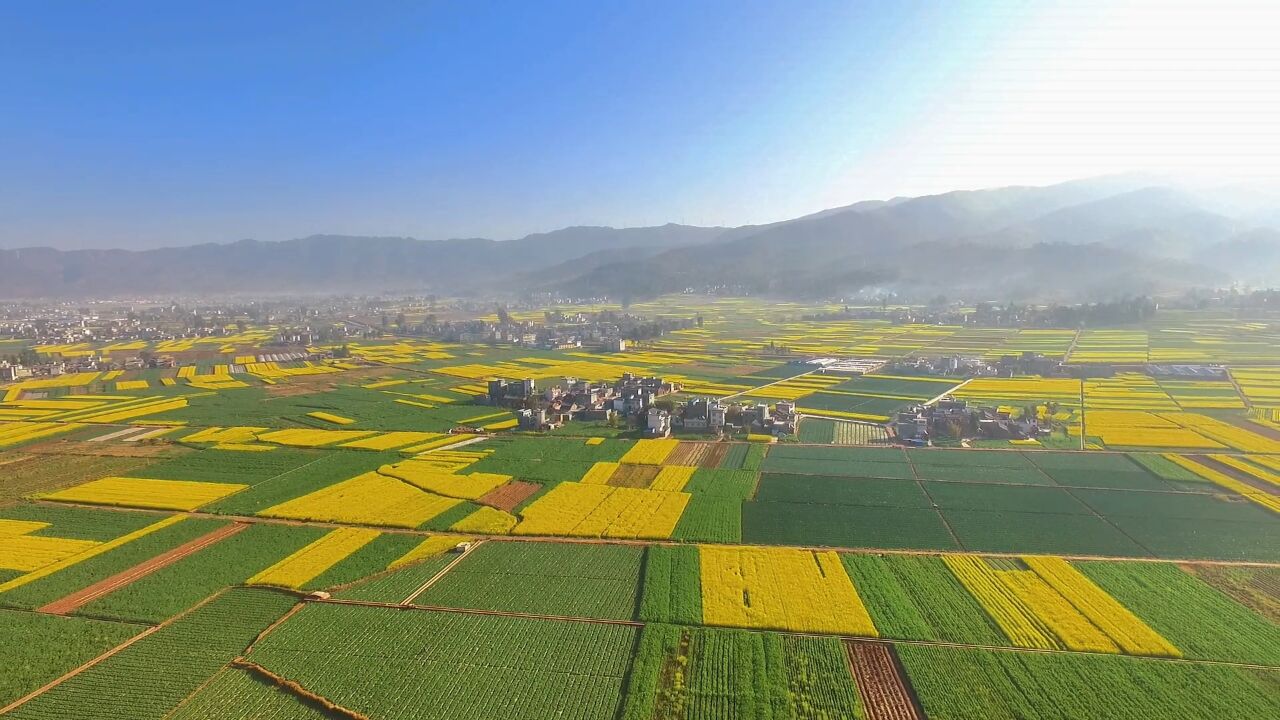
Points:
[[242, 538]]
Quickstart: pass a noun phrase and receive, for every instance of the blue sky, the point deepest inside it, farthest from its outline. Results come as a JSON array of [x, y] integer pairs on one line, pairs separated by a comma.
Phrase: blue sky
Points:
[[133, 124]]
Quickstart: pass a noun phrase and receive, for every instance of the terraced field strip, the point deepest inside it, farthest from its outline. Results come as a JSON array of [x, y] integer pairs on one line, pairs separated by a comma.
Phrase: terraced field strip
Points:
[[84, 596], [432, 580], [882, 684]]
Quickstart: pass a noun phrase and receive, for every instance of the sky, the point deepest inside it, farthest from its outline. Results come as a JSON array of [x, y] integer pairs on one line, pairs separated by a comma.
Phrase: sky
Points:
[[150, 124]]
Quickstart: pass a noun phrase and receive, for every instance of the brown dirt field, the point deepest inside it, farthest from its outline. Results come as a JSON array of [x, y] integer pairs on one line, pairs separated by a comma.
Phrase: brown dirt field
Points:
[[46, 472], [10, 457], [715, 455], [689, 454], [140, 449], [1255, 587], [634, 476], [881, 683], [82, 597], [506, 497]]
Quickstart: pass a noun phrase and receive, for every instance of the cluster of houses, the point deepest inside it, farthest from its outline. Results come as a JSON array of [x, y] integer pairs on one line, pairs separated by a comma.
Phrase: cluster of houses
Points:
[[712, 415], [631, 398], [10, 371], [951, 418], [634, 400]]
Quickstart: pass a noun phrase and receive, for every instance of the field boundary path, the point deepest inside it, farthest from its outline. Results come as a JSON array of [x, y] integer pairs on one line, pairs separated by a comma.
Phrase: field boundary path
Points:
[[434, 578], [1248, 404], [1075, 340], [86, 595], [317, 702], [775, 382], [882, 684], [939, 396]]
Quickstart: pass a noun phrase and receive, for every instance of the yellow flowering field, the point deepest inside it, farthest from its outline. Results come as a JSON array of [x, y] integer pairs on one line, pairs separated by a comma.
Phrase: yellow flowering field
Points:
[[21, 432], [429, 477], [672, 478], [431, 546], [486, 521], [1031, 389], [649, 452], [1225, 433], [600, 473], [312, 438], [390, 440], [367, 499], [1057, 614], [244, 447], [19, 550], [225, 435], [1126, 630], [439, 442], [309, 562], [780, 589], [581, 510], [331, 418], [1265, 499], [145, 493], [86, 553], [1248, 468], [447, 461], [1016, 618]]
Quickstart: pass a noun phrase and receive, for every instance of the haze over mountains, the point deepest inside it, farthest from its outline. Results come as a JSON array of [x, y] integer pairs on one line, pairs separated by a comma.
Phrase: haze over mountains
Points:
[[1082, 240]]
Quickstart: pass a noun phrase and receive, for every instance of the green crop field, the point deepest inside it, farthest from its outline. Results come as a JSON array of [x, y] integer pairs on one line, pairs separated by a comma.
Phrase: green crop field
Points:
[[421, 664], [1125, 566], [151, 677], [543, 578]]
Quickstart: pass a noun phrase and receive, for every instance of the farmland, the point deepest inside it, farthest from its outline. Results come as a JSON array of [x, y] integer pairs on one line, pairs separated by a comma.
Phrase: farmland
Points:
[[160, 541]]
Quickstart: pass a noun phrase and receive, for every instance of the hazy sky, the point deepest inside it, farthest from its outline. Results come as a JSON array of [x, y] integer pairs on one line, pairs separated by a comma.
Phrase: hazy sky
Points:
[[131, 124]]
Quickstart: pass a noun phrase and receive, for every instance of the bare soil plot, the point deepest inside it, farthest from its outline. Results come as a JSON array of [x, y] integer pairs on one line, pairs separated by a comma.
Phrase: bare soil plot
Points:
[[507, 497], [881, 682], [105, 449], [634, 476], [689, 454], [84, 596], [1254, 587]]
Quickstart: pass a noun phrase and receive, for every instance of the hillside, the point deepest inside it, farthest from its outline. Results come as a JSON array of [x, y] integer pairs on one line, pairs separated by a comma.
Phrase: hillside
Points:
[[1076, 240]]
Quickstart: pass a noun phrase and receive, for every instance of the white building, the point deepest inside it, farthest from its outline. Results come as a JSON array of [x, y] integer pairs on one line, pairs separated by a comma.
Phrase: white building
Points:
[[657, 423]]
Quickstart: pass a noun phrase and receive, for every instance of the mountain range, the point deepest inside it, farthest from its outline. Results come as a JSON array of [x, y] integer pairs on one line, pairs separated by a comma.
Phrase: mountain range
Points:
[[1081, 240]]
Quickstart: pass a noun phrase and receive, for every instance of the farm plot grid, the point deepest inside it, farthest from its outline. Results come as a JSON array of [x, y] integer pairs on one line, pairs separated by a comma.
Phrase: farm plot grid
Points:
[[615, 577]]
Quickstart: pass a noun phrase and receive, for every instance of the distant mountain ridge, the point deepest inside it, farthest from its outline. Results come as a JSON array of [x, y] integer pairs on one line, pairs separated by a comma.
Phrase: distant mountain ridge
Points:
[[1077, 240]]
